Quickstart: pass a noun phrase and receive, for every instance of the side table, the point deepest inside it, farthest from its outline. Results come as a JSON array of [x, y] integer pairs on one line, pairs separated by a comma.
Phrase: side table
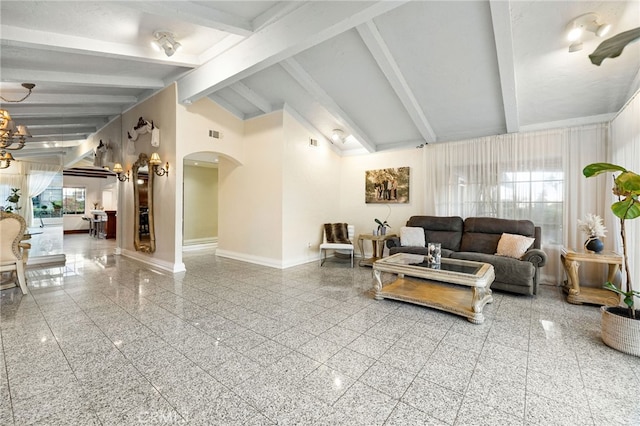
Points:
[[377, 241], [571, 260]]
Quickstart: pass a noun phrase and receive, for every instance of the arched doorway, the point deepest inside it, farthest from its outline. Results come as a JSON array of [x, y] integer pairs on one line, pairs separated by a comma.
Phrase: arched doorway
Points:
[[200, 201]]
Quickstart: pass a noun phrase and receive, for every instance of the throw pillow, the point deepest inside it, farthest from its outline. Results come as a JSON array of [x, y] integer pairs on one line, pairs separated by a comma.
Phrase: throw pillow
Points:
[[412, 236], [515, 246], [337, 233]]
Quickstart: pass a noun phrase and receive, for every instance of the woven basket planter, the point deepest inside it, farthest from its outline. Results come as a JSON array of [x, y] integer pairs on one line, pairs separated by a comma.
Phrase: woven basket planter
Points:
[[619, 331]]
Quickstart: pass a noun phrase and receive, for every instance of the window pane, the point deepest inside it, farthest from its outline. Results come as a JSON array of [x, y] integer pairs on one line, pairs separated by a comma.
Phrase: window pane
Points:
[[73, 200]]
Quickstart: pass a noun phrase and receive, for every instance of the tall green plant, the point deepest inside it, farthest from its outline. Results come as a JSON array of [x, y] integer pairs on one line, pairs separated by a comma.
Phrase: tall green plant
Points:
[[626, 186]]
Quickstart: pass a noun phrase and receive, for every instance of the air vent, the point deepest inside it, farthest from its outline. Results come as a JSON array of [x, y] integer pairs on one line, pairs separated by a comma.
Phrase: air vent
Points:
[[214, 134], [313, 142]]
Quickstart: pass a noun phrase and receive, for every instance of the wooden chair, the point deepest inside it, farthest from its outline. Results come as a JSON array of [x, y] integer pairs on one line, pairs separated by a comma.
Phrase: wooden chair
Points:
[[12, 229]]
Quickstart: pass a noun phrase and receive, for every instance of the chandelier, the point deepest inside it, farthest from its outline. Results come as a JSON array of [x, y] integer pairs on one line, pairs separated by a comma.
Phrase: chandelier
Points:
[[12, 136], [11, 133]]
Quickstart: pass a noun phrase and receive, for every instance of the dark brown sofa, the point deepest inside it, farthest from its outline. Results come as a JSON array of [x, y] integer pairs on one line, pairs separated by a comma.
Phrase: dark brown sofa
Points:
[[476, 238]]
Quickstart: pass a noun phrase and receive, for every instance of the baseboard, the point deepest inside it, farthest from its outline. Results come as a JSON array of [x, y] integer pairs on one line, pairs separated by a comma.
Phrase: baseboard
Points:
[[157, 263], [258, 260], [272, 263], [75, 231], [199, 241], [196, 247], [52, 260]]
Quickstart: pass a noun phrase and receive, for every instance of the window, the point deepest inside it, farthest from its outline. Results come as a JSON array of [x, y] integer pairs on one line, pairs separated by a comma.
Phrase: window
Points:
[[56, 201], [73, 200], [48, 203], [536, 195]]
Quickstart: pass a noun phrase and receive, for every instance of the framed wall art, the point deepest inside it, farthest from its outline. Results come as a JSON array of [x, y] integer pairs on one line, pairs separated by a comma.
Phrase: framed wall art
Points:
[[387, 186]]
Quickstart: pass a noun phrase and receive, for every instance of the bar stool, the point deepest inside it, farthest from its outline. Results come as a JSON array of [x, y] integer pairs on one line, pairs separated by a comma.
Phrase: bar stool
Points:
[[99, 224], [88, 219]]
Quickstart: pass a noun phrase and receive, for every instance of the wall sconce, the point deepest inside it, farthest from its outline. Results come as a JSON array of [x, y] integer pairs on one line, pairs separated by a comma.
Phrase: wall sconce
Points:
[[117, 169], [5, 159], [155, 162]]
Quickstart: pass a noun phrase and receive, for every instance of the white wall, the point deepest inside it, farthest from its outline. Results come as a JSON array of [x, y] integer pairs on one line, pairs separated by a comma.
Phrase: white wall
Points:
[[250, 212], [353, 208], [161, 109], [625, 146], [311, 192], [200, 205]]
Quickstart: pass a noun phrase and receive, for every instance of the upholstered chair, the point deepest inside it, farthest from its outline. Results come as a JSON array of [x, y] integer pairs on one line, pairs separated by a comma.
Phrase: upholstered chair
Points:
[[12, 229], [335, 238]]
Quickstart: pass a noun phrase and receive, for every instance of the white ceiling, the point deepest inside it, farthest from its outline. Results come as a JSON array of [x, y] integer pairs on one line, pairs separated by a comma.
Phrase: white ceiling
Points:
[[390, 74]]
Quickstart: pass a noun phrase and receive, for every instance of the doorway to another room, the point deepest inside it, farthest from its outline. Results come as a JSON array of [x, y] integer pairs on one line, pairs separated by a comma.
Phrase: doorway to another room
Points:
[[200, 201]]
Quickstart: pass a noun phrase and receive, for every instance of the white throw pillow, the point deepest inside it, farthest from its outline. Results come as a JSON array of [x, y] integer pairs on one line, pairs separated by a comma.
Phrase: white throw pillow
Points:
[[515, 246], [411, 236]]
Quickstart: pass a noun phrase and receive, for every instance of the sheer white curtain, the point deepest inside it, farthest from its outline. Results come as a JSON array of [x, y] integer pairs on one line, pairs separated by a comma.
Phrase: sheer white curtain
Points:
[[625, 147], [38, 178], [532, 176]]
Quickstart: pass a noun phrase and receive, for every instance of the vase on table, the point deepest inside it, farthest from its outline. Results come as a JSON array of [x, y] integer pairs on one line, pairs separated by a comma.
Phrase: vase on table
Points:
[[594, 244]]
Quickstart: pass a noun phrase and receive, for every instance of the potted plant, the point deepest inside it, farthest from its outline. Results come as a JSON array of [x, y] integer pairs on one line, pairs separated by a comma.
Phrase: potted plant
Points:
[[593, 227], [382, 226], [13, 198], [621, 326]]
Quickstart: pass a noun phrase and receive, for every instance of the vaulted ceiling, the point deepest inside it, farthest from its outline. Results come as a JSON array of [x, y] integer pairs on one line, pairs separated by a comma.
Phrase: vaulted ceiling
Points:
[[389, 74]]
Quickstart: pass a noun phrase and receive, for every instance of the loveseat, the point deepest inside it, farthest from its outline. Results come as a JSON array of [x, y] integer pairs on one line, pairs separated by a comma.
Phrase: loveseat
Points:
[[476, 239]]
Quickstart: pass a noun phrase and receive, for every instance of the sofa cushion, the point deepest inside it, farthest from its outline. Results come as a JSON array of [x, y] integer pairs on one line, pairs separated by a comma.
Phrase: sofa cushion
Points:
[[437, 229], [507, 269], [482, 234], [512, 245], [412, 236]]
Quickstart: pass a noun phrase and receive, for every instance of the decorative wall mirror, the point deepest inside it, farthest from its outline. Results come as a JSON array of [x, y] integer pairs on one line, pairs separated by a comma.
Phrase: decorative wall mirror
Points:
[[144, 238]]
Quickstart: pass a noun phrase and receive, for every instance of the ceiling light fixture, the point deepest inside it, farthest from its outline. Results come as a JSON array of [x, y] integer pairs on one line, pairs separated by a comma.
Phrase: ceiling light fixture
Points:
[[586, 22], [165, 40], [28, 86], [5, 159], [11, 133], [337, 135]]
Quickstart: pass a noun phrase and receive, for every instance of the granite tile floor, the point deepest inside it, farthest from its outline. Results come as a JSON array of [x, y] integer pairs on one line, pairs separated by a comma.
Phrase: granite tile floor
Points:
[[110, 341]]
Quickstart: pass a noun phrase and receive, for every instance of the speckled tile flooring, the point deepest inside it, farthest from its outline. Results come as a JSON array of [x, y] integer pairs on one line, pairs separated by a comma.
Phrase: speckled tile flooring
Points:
[[109, 341]]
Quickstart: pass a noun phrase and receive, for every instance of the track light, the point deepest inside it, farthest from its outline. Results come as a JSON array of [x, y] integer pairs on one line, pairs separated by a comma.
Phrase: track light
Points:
[[575, 46], [587, 22], [164, 40]]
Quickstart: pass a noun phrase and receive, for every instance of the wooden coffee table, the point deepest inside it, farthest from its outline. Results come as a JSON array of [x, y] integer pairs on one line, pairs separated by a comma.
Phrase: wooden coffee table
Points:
[[460, 287]]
